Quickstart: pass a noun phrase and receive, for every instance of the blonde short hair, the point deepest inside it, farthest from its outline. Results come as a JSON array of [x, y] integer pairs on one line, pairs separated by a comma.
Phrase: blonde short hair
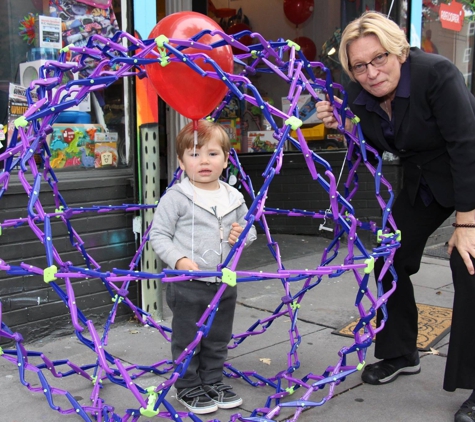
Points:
[[206, 129], [389, 34]]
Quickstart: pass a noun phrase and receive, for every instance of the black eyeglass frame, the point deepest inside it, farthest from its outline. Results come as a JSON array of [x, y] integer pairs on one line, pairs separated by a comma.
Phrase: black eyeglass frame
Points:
[[385, 54]]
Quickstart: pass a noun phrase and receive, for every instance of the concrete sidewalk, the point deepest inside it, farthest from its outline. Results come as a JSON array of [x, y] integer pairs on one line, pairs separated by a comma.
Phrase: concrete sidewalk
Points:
[[324, 309]]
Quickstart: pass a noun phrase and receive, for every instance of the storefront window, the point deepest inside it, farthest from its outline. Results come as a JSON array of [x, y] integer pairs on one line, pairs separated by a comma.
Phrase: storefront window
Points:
[[91, 134], [448, 29]]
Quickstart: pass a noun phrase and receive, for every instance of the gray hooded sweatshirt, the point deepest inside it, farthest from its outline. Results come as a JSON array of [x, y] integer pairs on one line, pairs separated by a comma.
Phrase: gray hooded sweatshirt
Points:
[[182, 221]]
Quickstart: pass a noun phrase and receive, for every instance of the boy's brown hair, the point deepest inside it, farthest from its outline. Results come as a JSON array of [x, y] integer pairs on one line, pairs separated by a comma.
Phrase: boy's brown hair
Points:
[[206, 129]]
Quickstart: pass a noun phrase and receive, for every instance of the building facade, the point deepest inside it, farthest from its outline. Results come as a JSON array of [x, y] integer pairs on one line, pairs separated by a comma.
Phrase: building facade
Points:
[[116, 147]]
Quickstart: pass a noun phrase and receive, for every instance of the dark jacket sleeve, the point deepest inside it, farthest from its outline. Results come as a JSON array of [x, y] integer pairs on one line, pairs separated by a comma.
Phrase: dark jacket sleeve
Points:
[[434, 131]]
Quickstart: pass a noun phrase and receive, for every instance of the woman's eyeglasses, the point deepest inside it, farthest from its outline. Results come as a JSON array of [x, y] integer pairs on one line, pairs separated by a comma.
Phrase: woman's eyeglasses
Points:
[[378, 61]]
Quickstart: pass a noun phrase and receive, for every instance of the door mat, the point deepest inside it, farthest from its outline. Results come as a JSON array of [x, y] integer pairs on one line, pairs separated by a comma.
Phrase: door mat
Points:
[[434, 324]]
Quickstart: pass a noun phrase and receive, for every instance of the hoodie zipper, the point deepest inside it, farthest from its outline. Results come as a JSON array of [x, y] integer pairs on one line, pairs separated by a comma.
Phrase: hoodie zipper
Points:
[[221, 237]]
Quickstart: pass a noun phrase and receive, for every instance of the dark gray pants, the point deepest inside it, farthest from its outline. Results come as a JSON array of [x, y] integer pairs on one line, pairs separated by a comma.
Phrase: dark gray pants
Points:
[[188, 300]]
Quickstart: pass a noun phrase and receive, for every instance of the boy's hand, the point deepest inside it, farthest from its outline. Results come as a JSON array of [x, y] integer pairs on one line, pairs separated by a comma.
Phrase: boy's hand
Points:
[[186, 264], [236, 230]]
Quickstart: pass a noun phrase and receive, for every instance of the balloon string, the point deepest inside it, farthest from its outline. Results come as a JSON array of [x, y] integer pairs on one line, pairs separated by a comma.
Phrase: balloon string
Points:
[[195, 142], [390, 8]]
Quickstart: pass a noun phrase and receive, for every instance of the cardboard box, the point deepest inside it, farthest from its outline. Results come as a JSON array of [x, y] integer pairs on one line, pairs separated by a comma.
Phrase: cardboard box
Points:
[[261, 141], [306, 105], [313, 133], [233, 129], [72, 144]]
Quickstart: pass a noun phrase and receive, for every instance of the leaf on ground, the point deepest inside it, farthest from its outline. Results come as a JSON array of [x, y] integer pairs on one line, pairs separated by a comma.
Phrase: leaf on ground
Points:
[[267, 361]]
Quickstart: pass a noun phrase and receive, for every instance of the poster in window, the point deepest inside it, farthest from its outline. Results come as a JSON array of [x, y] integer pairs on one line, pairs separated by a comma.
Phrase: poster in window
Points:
[[50, 32]]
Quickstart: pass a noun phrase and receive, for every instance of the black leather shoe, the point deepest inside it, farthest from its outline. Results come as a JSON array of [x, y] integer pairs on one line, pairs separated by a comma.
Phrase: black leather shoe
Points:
[[466, 413], [388, 370]]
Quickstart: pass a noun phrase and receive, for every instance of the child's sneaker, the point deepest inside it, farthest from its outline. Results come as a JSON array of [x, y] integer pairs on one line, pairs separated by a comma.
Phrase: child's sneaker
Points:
[[196, 400], [223, 395]]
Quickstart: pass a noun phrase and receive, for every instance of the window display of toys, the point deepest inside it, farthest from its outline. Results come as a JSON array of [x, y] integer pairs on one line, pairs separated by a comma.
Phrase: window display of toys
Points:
[[233, 129], [72, 145], [261, 141], [105, 149]]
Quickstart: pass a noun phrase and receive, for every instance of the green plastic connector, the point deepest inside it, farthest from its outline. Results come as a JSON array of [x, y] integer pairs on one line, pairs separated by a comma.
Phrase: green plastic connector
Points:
[[49, 274], [1, 351], [290, 390], [59, 211], [21, 122], [160, 40], [355, 120], [114, 299], [380, 235], [1, 230], [164, 59], [291, 43], [294, 122], [295, 306], [254, 54], [369, 265], [152, 399], [360, 366], [229, 277], [66, 49], [95, 380]]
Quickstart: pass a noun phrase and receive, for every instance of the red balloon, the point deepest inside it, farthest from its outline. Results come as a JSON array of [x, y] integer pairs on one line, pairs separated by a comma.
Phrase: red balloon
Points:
[[307, 47], [38, 4], [298, 11], [183, 89]]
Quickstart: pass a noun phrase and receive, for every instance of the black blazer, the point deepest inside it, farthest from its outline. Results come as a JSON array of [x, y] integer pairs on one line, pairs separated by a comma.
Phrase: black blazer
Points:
[[434, 131]]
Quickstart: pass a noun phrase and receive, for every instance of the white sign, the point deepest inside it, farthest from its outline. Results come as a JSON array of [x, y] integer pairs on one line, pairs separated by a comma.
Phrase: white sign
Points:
[[49, 33]]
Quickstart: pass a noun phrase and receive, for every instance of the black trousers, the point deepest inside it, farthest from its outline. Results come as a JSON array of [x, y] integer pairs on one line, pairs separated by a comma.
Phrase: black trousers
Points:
[[416, 222], [399, 336], [188, 300], [460, 367]]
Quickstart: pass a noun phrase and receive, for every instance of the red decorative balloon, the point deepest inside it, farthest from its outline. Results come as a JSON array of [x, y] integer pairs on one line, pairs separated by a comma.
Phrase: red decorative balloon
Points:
[[298, 11], [183, 89], [307, 47], [38, 4]]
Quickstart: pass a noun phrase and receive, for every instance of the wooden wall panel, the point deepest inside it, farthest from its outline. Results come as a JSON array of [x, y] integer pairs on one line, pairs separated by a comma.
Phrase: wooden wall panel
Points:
[[32, 307]]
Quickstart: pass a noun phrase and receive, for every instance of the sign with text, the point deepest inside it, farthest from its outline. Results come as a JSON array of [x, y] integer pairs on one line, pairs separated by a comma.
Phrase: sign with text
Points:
[[451, 16]]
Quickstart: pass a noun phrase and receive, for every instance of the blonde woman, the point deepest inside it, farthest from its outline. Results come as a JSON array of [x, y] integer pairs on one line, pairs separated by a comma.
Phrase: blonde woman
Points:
[[416, 105]]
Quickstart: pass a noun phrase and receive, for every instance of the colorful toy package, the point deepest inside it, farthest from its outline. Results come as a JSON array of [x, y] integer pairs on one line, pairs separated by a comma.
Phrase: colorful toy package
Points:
[[233, 129], [261, 141], [72, 145], [105, 149], [81, 20]]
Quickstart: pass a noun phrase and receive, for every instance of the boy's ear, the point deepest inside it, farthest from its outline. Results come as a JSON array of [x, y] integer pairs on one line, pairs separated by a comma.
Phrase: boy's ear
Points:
[[226, 160], [182, 166]]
